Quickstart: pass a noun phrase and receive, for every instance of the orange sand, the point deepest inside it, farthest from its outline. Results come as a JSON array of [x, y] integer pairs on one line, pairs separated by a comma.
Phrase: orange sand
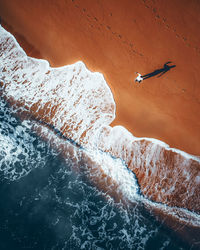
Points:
[[118, 38]]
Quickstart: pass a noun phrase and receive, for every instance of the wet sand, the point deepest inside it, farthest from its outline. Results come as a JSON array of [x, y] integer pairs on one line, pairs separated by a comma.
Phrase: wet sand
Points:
[[119, 38]]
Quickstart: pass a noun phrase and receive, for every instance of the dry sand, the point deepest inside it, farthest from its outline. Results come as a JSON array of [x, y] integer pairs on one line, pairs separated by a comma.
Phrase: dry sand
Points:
[[118, 38]]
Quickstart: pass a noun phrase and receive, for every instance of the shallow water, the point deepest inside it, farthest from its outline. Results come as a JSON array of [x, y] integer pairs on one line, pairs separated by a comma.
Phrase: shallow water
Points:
[[57, 194], [45, 204]]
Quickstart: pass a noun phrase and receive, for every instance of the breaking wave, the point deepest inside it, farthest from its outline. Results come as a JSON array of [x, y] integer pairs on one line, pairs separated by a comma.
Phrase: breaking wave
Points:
[[20, 151], [58, 195], [70, 109]]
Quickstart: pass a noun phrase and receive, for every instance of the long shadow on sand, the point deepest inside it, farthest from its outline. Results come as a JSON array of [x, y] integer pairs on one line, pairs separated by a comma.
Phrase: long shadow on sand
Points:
[[159, 72]]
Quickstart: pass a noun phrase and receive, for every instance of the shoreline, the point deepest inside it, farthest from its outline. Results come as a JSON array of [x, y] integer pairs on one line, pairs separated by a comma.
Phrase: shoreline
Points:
[[67, 99], [164, 109], [148, 139]]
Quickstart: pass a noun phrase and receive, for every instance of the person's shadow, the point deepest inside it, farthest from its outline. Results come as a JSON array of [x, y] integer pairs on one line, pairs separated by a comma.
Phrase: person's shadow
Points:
[[159, 72]]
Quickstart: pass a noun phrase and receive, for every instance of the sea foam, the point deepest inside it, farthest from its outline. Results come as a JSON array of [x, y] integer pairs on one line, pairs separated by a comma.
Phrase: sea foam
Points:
[[79, 104], [72, 99]]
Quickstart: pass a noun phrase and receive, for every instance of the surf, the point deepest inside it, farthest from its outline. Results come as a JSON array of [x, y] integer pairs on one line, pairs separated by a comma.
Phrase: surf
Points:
[[71, 108]]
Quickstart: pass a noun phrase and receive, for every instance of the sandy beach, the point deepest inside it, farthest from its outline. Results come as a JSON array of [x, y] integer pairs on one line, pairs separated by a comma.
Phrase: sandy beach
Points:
[[71, 110], [119, 38]]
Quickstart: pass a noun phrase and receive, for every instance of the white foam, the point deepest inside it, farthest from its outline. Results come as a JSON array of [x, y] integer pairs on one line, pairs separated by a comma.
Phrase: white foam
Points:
[[80, 104], [165, 175], [117, 170], [72, 99], [121, 132], [20, 152], [180, 214], [100, 165]]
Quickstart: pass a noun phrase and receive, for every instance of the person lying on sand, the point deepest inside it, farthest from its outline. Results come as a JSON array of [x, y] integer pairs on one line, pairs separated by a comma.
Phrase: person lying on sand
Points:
[[139, 78]]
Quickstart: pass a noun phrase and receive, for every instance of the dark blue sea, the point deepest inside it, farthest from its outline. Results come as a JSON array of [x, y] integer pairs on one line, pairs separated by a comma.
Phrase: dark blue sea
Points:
[[45, 204]]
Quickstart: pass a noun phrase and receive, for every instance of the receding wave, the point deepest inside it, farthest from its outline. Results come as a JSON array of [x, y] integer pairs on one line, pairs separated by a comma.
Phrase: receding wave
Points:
[[165, 175], [48, 203], [71, 98], [71, 108]]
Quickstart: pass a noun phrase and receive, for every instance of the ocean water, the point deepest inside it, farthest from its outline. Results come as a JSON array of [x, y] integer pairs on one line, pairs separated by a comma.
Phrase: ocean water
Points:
[[47, 204], [65, 174], [79, 104]]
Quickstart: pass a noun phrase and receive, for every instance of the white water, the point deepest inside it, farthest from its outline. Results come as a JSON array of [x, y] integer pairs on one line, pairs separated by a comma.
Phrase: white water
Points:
[[101, 166], [80, 104], [72, 95]]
